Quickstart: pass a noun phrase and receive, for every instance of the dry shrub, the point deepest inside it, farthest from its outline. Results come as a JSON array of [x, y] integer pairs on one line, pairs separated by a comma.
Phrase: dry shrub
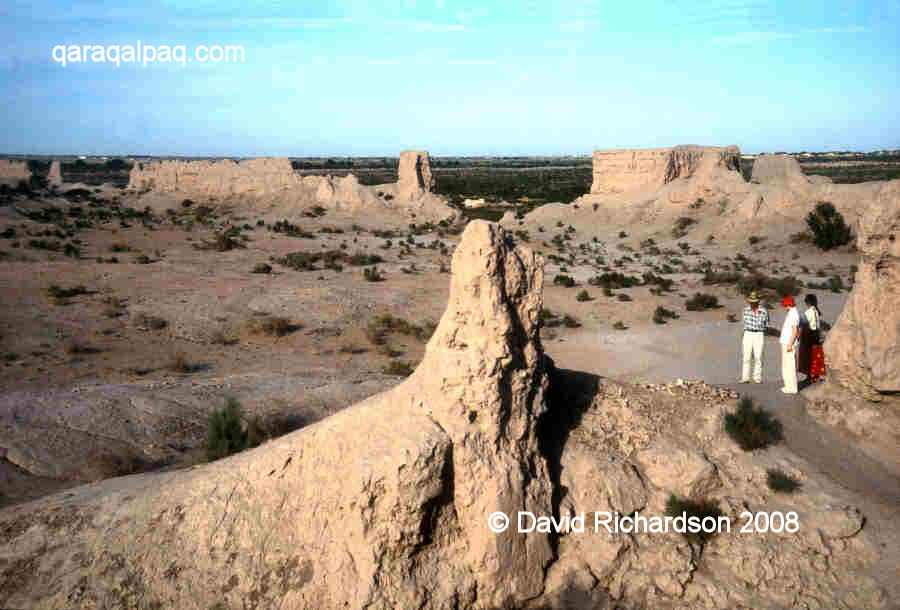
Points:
[[271, 326], [399, 368], [105, 464], [378, 329], [148, 322]]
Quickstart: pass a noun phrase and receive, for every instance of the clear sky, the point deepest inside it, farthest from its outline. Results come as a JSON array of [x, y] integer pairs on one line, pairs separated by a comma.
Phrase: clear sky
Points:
[[479, 77]]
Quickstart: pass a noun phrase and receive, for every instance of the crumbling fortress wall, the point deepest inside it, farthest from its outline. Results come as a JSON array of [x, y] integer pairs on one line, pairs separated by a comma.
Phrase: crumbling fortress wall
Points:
[[218, 179], [696, 180], [618, 171], [14, 172], [275, 181], [261, 177]]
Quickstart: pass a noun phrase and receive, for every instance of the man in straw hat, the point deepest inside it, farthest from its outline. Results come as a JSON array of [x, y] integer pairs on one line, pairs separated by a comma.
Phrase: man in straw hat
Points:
[[790, 333], [756, 320]]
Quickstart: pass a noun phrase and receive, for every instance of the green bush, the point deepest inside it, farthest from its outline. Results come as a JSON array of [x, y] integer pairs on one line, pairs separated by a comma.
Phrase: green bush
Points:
[[300, 261], [662, 283], [372, 274], [661, 313], [701, 302], [361, 259], [835, 284], [583, 296], [290, 229], [676, 507], [828, 227], [782, 287], [614, 280], [230, 432], [780, 482], [752, 427], [570, 322], [564, 280], [399, 368]]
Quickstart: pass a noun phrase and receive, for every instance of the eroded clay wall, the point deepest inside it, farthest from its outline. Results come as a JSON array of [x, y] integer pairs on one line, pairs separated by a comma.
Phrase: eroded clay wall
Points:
[[619, 171], [219, 179]]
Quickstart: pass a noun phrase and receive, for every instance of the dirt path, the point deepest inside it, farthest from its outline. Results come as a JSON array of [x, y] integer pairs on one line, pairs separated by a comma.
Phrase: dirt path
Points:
[[711, 352]]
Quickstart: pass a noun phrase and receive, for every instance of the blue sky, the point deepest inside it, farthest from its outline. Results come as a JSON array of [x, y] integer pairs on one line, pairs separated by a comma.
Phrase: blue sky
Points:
[[455, 77]]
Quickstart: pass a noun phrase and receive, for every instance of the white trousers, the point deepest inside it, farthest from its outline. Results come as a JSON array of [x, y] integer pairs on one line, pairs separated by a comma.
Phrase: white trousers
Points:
[[753, 347], [789, 368]]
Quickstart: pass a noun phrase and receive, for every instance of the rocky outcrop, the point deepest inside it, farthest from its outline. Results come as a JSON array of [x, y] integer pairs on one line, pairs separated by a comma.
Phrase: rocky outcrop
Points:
[[611, 461], [622, 171], [217, 179], [414, 177], [54, 176], [14, 172], [383, 505], [863, 349]]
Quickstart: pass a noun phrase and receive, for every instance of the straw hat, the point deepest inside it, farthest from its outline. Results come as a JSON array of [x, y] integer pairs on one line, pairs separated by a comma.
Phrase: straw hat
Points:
[[753, 298]]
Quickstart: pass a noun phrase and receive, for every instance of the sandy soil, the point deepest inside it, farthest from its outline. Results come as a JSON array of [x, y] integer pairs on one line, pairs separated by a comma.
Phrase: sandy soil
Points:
[[208, 298]]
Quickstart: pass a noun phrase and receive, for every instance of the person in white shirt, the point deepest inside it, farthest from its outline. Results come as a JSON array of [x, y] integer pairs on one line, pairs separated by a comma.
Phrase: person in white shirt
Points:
[[756, 321], [790, 332]]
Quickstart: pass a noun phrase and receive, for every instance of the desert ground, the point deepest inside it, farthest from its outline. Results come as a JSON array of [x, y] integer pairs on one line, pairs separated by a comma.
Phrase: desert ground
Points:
[[128, 318], [206, 302]]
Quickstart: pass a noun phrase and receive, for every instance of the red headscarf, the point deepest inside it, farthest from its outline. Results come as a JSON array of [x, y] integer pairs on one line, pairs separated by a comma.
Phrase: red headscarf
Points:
[[788, 302]]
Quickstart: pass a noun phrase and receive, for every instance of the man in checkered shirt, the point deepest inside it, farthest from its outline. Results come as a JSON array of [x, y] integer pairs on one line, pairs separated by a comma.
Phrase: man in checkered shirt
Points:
[[756, 320]]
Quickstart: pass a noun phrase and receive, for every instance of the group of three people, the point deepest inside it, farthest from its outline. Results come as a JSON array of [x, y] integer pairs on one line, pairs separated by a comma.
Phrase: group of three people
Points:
[[800, 340]]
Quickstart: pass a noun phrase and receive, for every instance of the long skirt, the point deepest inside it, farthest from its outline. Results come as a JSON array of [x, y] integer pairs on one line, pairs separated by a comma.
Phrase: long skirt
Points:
[[804, 350], [817, 361]]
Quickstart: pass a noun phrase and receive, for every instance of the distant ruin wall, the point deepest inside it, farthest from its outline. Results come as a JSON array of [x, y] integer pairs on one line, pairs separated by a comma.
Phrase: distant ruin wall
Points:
[[260, 177], [777, 169], [219, 179], [14, 172], [617, 171]]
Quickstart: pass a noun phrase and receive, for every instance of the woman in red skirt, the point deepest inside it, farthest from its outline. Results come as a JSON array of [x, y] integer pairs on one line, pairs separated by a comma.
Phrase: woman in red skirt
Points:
[[813, 355]]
